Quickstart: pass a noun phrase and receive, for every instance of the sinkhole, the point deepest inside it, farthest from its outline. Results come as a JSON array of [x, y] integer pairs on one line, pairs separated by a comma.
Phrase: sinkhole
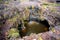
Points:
[[33, 26]]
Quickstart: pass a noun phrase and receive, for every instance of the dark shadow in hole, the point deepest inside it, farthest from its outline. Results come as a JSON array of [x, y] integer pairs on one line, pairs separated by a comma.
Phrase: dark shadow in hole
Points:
[[58, 1], [45, 22], [14, 0]]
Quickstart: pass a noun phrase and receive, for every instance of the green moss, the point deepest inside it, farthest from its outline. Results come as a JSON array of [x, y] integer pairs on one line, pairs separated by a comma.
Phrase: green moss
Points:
[[0, 0], [57, 4], [52, 4], [45, 4], [13, 32]]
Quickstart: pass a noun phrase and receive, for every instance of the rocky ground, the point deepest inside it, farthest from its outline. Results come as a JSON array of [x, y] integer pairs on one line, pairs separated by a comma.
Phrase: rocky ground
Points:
[[13, 11]]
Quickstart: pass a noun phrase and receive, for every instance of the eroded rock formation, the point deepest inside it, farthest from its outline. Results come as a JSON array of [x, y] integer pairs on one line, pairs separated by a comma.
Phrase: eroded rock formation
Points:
[[13, 12]]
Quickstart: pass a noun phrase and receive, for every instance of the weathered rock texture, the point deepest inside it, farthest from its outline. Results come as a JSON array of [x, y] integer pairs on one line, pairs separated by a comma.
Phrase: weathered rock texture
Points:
[[14, 11]]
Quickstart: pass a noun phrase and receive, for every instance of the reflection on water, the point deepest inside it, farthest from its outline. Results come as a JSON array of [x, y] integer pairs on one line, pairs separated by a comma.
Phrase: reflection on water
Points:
[[35, 27]]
